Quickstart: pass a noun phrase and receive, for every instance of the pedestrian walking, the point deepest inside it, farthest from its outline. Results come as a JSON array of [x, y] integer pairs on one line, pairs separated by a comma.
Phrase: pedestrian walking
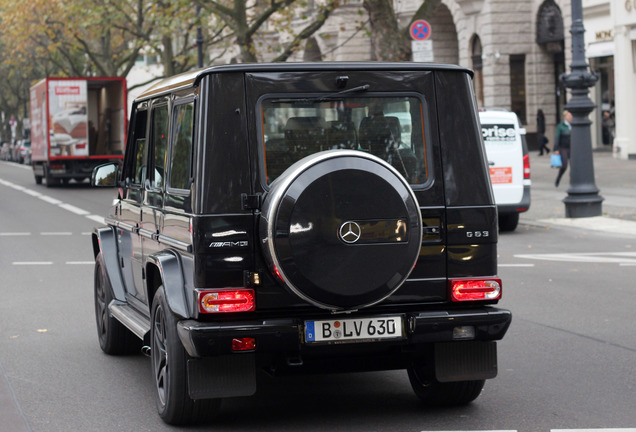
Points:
[[562, 144], [542, 140], [608, 128]]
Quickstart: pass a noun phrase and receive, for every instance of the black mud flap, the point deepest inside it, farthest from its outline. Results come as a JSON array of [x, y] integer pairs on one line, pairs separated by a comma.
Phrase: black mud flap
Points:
[[222, 376], [465, 361]]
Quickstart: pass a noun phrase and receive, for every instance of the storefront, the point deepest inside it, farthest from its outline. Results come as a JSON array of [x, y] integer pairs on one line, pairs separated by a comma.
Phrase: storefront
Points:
[[624, 32]]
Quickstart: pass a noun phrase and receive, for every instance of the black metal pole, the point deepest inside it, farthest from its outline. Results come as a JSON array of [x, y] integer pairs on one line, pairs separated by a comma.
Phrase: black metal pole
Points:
[[583, 199], [199, 40]]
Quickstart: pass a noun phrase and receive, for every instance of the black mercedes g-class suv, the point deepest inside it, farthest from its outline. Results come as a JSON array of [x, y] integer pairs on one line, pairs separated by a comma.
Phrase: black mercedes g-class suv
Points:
[[328, 217]]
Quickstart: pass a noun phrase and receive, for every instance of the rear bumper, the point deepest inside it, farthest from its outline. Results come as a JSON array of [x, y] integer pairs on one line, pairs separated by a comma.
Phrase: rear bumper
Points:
[[70, 168], [285, 336], [521, 206], [214, 371]]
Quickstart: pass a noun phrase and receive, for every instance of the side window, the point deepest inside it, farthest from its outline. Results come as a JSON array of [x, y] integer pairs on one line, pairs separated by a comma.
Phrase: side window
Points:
[[159, 145], [181, 154], [137, 173]]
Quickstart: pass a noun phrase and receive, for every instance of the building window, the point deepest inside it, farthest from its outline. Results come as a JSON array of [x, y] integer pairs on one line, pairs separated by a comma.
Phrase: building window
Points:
[[478, 66], [518, 86]]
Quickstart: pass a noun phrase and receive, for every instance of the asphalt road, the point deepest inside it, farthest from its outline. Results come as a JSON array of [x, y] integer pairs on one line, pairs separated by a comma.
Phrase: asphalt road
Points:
[[567, 362]]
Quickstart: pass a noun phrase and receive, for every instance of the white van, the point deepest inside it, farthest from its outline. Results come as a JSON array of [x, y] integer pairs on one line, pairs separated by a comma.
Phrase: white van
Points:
[[509, 164]]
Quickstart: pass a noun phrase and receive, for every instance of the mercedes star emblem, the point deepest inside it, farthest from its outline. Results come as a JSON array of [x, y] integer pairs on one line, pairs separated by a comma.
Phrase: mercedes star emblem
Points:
[[350, 232]]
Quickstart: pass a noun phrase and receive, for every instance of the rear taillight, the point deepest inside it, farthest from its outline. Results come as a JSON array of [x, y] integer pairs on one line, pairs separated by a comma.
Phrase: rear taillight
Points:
[[471, 289], [226, 300], [526, 167]]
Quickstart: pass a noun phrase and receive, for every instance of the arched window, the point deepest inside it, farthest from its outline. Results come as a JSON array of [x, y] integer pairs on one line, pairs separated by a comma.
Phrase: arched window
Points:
[[478, 66]]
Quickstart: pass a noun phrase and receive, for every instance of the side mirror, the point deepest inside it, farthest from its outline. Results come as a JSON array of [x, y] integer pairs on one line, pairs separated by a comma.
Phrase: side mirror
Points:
[[105, 175]]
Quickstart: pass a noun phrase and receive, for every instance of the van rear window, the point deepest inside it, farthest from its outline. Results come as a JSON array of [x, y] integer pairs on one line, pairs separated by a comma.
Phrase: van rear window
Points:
[[388, 127]]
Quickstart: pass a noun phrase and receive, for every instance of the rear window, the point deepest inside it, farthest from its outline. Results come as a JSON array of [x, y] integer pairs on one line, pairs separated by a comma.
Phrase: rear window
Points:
[[390, 127]]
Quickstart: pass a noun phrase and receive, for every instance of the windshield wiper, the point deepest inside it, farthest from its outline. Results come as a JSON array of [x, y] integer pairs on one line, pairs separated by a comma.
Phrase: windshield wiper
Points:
[[358, 89], [312, 100]]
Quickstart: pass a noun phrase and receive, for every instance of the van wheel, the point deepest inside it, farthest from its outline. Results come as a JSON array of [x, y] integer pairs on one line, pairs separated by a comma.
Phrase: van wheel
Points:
[[114, 338], [169, 369], [508, 222], [434, 393]]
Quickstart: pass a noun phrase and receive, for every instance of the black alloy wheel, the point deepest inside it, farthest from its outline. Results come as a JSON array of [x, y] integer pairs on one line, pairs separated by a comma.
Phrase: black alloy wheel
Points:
[[169, 369], [114, 338]]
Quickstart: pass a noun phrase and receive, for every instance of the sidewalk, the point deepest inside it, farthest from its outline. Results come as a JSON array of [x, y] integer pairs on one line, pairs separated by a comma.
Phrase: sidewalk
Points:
[[615, 179]]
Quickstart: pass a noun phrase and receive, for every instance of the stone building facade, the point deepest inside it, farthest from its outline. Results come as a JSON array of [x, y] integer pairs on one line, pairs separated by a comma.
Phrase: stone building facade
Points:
[[517, 48]]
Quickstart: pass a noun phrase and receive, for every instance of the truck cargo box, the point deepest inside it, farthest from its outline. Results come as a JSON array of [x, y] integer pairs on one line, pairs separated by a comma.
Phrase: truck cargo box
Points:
[[77, 124]]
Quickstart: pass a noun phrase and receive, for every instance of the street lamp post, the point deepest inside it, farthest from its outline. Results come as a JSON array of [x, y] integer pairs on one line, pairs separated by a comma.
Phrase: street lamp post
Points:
[[199, 39], [583, 199]]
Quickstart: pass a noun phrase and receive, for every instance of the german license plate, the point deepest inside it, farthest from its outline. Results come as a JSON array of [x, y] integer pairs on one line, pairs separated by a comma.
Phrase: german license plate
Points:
[[353, 329]]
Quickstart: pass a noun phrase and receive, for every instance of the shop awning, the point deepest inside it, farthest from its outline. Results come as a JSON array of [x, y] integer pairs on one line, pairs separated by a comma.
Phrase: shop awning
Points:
[[600, 49]]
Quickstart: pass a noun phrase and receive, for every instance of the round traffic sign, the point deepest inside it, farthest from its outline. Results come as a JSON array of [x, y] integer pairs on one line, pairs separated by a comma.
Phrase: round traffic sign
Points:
[[420, 30]]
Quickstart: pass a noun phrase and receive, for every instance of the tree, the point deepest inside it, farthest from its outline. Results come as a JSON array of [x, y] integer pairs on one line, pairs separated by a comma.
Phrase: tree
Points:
[[242, 21], [391, 43]]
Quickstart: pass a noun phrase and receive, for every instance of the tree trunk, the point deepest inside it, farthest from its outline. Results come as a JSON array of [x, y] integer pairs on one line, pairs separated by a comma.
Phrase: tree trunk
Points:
[[388, 42]]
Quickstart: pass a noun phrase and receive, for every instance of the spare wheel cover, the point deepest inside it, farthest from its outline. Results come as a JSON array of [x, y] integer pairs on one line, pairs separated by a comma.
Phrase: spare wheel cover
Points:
[[342, 229]]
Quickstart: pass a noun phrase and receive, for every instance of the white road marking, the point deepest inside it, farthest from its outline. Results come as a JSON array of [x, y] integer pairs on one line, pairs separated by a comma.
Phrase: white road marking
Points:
[[16, 187], [515, 265], [12, 234], [513, 430], [68, 207], [74, 209], [597, 223], [56, 233], [50, 200], [594, 430], [32, 193], [621, 258], [98, 219]]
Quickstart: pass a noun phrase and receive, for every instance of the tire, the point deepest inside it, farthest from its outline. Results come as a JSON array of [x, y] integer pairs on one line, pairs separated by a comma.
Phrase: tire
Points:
[[169, 370], [50, 180], [114, 337], [508, 222], [341, 229], [434, 393], [38, 179]]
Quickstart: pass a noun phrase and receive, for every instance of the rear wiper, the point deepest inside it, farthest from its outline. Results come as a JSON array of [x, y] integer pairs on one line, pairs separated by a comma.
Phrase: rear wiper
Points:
[[358, 89], [361, 88]]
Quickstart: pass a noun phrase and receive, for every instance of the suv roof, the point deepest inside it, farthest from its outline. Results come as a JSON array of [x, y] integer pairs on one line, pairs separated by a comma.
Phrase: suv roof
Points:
[[189, 79]]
